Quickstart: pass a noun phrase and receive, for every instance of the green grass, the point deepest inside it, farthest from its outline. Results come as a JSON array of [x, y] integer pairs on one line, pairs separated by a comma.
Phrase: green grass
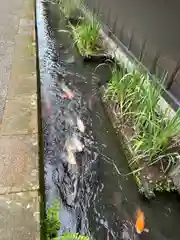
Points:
[[69, 6], [52, 221], [53, 225], [71, 236], [135, 101], [121, 92], [86, 36]]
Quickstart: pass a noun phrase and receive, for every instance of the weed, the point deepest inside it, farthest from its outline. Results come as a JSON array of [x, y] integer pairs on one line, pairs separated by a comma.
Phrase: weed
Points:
[[123, 91], [86, 36], [69, 6], [135, 101], [72, 236], [57, 1], [52, 221], [53, 224]]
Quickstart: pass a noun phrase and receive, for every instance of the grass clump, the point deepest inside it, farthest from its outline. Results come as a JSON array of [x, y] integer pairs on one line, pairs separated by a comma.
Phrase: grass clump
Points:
[[52, 221], [134, 100], [86, 36], [53, 225], [68, 7], [72, 236]]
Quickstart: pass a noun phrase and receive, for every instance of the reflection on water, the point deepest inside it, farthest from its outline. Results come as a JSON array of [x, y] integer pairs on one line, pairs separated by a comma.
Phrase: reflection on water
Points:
[[81, 149]]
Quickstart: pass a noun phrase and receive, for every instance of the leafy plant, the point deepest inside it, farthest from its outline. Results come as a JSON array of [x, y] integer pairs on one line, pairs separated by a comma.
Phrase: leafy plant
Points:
[[52, 221], [123, 91], [69, 6], [52, 224], [57, 1], [154, 130], [135, 100], [72, 236], [86, 36]]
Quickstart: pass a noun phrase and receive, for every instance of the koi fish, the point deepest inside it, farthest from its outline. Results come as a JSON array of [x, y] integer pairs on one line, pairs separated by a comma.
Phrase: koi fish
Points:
[[80, 125], [76, 144], [73, 145], [67, 92], [140, 222], [71, 158], [67, 95]]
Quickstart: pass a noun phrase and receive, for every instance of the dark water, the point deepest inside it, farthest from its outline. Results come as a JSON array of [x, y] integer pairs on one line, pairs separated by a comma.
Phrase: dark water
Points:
[[95, 199]]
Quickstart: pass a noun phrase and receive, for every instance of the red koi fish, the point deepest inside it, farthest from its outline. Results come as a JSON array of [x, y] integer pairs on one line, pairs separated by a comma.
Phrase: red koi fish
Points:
[[140, 222]]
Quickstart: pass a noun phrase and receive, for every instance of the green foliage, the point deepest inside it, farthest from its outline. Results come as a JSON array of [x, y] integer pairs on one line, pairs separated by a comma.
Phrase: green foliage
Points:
[[86, 36], [69, 6], [52, 221], [52, 224], [72, 236], [120, 91], [57, 1], [135, 100]]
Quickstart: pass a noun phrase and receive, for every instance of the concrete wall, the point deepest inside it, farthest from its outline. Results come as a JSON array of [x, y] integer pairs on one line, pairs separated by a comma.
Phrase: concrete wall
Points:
[[152, 24]]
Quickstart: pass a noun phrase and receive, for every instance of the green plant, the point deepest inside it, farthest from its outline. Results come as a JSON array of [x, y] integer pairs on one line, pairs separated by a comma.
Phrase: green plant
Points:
[[52, 221], [149, 95], [123, 91], [57, 1], [135, 100], [72, 236], [155, 136], [69, 6], [53, 224], [86, 36]]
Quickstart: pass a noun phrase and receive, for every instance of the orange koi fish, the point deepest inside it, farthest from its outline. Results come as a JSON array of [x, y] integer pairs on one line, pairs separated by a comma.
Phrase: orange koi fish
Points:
[[140, 222]]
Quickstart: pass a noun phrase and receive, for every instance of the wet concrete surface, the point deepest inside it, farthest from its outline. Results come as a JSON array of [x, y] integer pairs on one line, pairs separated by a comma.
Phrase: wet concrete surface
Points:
[[9, 13], [95, 199], [19, 216], [19, 161], [20, 116]]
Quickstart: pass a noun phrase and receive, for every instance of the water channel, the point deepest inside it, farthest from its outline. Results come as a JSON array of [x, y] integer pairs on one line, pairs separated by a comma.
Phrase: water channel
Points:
[[95, 200]]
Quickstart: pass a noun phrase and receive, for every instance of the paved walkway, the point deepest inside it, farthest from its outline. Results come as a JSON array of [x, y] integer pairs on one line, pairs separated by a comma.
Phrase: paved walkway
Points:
[[19, 181]]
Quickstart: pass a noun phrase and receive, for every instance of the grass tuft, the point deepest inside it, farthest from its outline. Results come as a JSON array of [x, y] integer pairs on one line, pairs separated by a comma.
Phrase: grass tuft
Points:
[[53, 225], [135, 102], [72, 236], [86, 36], [68, 7], [52, 221]]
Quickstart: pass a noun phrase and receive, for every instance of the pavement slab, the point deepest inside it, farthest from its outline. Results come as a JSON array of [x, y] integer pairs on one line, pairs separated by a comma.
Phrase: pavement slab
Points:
[[20, 116], [19, 218], [28, 83], [19, 148], [19, 163]]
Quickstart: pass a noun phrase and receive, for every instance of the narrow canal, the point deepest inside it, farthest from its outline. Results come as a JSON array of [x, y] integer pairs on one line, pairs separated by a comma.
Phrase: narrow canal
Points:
[[95, 199]]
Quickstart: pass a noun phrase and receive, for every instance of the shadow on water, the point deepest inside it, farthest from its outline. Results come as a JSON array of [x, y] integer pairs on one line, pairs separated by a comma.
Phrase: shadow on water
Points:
[[96, 200]]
